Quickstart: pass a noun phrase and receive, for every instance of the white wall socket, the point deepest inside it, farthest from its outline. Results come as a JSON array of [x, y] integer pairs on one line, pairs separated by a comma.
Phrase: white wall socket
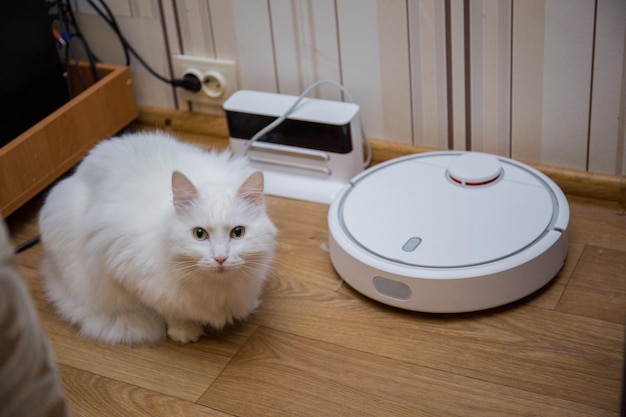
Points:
[[218, 78]]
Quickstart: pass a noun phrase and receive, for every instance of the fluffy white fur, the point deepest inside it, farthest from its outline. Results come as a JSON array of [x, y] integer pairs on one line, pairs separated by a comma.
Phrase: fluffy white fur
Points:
[[121, 259]]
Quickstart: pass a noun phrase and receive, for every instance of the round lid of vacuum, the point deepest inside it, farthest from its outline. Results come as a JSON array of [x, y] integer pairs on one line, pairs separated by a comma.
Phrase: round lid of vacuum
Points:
[[447, 210]]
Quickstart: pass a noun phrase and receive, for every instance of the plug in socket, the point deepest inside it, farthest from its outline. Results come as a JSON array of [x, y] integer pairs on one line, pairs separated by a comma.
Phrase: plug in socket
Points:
[[218, 78]]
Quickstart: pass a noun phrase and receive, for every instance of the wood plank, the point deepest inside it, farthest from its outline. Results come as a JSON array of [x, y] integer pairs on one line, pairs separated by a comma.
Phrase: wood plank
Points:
[[550, 296], [597, 288], [181, 371], [513, 346], [91, 395], [311, 350], [587, 353], [184, 122], [587, 184], [597, 223], [279, 374]]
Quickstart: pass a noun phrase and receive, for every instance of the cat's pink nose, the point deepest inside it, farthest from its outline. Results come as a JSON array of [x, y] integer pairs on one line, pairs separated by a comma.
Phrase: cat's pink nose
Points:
[[220, 259]]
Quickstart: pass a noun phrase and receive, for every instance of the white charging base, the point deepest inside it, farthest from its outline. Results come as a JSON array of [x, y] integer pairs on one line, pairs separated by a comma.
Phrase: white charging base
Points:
[[311, 155], [448, 232], [291, 172]]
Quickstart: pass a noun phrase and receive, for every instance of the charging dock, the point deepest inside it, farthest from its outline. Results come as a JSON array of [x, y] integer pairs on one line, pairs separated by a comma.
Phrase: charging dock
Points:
[[310, 156]]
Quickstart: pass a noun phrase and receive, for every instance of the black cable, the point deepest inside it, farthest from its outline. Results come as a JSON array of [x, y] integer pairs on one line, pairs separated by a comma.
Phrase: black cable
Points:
[[65, 15], [69, 32], [110, 19], [90, 55], [188, 82], [28, 244]]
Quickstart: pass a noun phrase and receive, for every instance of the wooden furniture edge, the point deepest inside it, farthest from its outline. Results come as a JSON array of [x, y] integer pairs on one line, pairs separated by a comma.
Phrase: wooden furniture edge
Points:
[[31, 151], [571, 181]]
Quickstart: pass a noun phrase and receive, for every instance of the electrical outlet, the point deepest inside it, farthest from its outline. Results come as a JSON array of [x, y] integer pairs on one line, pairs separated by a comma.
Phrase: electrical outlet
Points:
[[218, 78]]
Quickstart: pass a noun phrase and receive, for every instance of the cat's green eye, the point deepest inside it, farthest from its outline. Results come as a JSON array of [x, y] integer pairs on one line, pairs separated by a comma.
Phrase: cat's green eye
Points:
[[238, 232], [200, 234]]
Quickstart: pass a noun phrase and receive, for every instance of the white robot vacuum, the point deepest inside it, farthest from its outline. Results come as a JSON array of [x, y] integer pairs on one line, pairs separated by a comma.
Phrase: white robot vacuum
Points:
[[448, 232]]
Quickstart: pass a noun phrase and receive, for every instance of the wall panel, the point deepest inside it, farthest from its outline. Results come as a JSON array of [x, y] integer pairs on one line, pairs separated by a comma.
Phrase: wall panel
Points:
[[527, 80], [194, 26], [490, 33], [457, 75], [543, 81], [568, 51], [428, 72], [144, 8], [170, 26], [393, 45], [359, 54], [224, 34], [255, 49], [621, 129], [145, 32], [119, 8], [306, 45], [220, 40], [605, 99]]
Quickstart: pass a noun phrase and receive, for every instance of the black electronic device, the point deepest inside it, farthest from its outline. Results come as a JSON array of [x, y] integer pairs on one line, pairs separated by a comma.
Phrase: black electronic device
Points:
[[31, 76]]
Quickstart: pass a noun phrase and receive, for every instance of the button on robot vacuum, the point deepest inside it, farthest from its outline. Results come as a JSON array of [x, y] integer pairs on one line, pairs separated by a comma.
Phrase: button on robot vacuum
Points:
[[475, 169]]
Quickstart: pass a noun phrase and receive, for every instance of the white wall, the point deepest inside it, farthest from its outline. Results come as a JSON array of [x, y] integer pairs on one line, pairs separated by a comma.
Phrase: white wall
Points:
[[537, 80]]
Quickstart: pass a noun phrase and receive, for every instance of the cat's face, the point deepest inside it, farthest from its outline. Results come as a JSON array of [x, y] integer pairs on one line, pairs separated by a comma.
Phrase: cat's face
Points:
[[220, 230]]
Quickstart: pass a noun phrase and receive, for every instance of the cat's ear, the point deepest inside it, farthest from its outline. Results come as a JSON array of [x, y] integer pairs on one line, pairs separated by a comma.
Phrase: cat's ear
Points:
[[183, 190], [252, 189]]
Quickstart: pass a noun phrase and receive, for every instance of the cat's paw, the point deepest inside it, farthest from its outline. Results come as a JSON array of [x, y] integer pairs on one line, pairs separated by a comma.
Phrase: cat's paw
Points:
[[185, 332]]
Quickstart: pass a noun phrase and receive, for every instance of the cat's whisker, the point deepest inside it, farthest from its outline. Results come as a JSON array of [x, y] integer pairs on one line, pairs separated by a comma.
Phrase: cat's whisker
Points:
[[189, 266]]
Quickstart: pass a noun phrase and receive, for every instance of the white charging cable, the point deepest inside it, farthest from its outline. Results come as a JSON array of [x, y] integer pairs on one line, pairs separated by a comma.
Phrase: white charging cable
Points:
[[275, 123]]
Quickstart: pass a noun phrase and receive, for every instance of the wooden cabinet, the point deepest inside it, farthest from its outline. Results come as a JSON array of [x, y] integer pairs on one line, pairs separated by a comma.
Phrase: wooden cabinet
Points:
[[40, 155]]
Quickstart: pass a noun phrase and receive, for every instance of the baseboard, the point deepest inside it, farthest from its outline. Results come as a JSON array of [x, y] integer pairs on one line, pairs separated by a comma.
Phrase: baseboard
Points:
[[572, 182]]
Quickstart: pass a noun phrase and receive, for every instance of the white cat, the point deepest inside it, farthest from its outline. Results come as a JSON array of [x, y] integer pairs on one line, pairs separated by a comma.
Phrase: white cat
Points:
[[151, 234]]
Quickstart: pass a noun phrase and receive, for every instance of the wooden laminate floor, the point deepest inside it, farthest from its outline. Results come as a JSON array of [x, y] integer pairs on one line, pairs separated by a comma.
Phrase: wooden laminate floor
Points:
[[311, 351]]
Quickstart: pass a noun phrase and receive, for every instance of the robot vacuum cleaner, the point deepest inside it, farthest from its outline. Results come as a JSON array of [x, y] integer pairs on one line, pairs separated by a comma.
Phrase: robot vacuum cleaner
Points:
[[448, 232]]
